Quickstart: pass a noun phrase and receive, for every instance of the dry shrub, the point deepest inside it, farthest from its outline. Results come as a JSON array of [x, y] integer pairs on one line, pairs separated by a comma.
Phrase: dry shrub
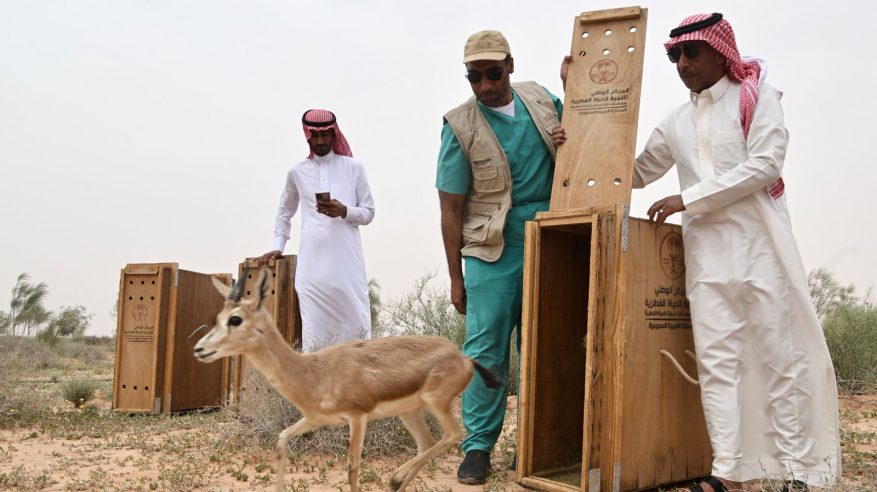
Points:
[[78, 391], [19, 357], [851, 335], [85, 353], [261, 414]]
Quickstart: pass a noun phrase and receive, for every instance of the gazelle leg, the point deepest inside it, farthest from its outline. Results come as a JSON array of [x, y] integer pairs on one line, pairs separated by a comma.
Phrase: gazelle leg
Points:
[[293, 430], [357, 425], [416, 425], [403, 476]]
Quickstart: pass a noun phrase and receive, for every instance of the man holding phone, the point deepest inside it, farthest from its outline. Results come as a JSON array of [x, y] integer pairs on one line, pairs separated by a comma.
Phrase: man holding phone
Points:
[[330, 277]]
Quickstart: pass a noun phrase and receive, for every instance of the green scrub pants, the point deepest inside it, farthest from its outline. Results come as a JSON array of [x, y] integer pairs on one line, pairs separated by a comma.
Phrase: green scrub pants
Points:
[[493, 311]]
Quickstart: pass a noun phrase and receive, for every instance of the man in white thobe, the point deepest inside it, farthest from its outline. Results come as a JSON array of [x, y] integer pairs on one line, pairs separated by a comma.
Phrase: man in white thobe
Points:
[[336, 199], [767, 382]]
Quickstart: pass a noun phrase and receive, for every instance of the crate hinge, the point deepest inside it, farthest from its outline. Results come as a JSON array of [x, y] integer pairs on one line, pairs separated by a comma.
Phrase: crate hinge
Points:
[[616, 479], [594, 480], [625, 228]]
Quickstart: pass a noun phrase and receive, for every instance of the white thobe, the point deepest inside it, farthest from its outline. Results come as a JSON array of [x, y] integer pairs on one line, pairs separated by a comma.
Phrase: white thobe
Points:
[[330, 277], [767, 383]]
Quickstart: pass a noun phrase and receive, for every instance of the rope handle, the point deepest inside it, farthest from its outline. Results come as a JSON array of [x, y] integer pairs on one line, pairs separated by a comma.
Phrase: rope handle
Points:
[[679, 367]]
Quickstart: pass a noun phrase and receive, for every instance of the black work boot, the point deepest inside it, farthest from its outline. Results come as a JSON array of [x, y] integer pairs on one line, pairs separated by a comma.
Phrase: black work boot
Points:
[[473, 470]]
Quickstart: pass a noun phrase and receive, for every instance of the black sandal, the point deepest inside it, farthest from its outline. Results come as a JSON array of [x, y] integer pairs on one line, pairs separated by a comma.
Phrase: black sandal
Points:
[[715, 483]]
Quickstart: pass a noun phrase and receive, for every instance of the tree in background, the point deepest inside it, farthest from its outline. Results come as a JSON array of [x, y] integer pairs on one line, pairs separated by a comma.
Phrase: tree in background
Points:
[[26, 311], [375, 303], [28, 316], [850, 325], [426, 310], [70, 322], [827, 293]]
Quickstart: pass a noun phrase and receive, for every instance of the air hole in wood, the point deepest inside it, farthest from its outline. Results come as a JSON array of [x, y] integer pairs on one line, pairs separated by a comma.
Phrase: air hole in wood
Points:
[[583, 53], [591, 182], [608, 32], [617, 182], [585, 34], [632, 28], [606, 51], [631, 49], [566, 182]]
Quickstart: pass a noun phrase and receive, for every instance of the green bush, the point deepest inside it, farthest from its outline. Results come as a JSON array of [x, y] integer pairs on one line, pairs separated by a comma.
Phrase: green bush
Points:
[[78, 391], [851, 334]]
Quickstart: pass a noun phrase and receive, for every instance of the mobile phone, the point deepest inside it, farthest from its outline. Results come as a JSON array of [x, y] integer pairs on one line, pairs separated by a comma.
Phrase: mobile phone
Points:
[[323, 195]]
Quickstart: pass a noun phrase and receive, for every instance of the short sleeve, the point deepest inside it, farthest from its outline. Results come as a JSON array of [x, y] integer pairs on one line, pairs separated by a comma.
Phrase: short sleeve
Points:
[[454, 174]]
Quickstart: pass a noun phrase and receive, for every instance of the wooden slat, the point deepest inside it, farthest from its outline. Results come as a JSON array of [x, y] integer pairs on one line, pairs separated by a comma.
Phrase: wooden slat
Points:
[[574, 212], [601, 109], [525, 415], [547, 485], [622, 13]]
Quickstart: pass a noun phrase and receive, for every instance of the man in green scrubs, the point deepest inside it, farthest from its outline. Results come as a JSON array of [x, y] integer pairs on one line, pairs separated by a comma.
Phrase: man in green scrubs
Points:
[[495, 169]]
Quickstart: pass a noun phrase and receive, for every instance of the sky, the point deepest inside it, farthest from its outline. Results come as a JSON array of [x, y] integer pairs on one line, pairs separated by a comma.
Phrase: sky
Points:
[[161, 131]]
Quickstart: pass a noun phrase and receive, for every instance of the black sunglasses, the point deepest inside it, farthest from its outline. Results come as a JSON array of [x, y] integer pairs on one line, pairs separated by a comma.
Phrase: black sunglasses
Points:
[[675, 53], [492, 73]]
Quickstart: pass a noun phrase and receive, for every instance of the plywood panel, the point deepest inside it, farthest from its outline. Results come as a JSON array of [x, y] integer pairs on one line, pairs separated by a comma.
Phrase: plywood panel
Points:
[[138, 339], [282, 303], [192, 384], [601, 109], [664, 434]]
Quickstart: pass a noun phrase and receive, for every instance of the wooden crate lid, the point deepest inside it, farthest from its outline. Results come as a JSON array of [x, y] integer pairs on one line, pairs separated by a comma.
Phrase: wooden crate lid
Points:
[[601, 109]]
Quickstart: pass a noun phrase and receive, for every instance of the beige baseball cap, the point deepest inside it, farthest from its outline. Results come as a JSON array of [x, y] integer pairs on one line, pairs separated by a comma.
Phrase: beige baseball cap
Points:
[[486, 45]]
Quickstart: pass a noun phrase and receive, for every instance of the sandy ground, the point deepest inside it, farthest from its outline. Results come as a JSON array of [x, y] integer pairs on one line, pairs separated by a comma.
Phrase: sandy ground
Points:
[[88, 463]]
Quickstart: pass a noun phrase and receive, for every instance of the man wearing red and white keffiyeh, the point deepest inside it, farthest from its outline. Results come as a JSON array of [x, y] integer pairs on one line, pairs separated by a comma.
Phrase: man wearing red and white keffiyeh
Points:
[[767, 383], [330, 278]]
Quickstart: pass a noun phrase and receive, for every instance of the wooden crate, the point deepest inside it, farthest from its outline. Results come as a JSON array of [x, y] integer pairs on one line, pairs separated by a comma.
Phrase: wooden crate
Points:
[[160, 306], [282, 302], [603, 296]]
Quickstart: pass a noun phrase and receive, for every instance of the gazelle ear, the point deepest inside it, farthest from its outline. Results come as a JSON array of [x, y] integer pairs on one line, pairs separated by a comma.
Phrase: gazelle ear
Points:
[[221, 287], [263, 287]]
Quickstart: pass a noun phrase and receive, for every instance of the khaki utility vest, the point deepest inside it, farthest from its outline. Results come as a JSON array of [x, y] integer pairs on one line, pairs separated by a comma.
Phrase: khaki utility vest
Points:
[[490, 196]]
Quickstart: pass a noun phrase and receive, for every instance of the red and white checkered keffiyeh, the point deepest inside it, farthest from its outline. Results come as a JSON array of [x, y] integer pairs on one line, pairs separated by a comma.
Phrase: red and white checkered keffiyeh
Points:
[[748, 72], [319, 120]]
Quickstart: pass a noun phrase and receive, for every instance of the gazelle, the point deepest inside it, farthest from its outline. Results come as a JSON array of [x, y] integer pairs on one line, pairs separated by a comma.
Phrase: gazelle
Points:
[[350, 383]]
